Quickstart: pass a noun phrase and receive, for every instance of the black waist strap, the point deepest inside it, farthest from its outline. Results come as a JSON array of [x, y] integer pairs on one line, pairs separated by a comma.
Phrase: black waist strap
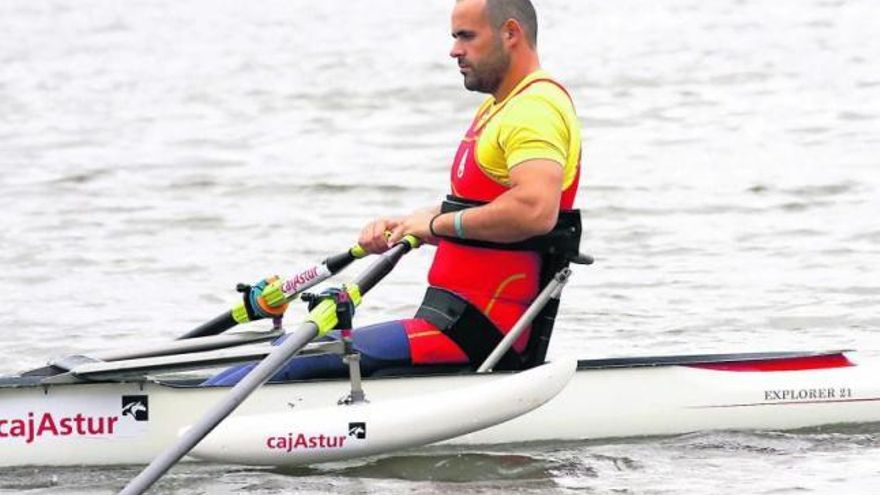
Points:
[[465, 325], [562, 243]]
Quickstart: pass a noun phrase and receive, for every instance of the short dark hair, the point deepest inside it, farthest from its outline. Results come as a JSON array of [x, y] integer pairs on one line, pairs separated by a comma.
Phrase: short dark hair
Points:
[[499, 11]]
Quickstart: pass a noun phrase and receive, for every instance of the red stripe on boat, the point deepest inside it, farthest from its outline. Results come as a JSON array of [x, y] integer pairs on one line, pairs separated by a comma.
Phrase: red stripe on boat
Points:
[[781, 364]]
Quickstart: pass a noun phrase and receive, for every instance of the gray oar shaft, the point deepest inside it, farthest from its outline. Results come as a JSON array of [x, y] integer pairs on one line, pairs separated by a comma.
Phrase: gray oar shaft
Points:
[[551, 290], [195, 344], [258, 376]]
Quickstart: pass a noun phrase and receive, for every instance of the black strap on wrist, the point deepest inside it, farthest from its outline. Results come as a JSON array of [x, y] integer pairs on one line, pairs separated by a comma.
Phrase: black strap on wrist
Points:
[[431, 225]]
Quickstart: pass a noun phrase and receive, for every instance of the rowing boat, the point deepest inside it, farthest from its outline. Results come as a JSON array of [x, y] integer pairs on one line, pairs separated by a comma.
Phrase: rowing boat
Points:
[[124, 419], [122, 407]]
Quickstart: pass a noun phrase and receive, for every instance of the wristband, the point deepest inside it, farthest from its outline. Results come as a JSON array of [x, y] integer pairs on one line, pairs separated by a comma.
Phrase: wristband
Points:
[[459, 229], [431, 225]]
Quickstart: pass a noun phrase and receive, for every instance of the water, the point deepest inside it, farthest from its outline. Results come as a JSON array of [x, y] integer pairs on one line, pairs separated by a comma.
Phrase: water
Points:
[[153, 155]]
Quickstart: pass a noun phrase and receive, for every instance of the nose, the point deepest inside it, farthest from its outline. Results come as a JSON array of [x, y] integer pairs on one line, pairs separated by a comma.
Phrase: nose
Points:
[[456, 51]]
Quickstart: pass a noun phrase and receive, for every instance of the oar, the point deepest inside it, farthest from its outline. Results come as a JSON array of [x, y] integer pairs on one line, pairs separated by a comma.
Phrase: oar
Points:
[[321, 320], [291, 287]]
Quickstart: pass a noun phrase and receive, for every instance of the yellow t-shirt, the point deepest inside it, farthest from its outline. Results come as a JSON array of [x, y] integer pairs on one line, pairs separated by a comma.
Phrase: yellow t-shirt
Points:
[[537, 123]]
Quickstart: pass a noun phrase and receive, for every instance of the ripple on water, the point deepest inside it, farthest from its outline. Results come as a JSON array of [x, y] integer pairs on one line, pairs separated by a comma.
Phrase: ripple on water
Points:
[[453, 467]]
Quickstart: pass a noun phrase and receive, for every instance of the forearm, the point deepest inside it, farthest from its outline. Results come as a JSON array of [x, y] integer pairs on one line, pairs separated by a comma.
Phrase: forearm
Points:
[[430, 210], [428, 213], [511, 217]]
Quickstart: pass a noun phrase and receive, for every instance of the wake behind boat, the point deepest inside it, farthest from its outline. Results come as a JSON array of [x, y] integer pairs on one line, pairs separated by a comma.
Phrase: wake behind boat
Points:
[[129, 420]]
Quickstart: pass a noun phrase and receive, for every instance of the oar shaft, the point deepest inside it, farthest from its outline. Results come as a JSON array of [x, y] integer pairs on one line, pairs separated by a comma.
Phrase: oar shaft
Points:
[[218, 325], [384, 264], [258, 376], [313, 276], [324, 315], [291, 287]]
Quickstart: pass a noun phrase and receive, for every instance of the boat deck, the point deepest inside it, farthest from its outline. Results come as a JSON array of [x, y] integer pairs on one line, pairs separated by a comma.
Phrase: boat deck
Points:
[[753, 361]]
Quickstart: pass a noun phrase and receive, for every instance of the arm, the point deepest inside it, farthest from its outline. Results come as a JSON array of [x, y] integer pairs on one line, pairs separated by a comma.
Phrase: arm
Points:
[[535, 139], [529, 208]]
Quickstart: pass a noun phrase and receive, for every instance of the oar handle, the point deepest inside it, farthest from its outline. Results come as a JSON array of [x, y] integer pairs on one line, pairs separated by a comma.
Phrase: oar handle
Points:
[[338, 262], [382, 266]]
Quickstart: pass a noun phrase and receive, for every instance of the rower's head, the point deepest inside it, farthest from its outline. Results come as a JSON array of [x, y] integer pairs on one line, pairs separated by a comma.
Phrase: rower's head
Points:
[[495, 43]]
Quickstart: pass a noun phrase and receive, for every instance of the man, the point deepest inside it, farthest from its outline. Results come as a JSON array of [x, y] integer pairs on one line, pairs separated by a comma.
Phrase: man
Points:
[[516, 167]]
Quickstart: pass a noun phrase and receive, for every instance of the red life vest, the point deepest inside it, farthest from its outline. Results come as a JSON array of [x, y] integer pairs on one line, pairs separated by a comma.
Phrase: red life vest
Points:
[[499, 283]]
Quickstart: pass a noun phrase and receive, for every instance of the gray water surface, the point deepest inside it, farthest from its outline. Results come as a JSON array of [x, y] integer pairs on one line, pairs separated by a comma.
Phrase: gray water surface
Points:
[[153, 154]]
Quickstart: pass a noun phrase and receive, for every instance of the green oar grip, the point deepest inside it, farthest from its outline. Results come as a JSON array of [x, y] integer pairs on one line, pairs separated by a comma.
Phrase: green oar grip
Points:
[[339, 261]]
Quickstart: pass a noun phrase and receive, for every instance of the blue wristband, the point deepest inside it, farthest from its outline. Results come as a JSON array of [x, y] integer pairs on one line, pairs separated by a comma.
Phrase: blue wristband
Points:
[[459, 229]]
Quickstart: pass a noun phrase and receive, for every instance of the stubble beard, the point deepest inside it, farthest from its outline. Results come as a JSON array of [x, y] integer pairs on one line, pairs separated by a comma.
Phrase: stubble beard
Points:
[[486, 76]]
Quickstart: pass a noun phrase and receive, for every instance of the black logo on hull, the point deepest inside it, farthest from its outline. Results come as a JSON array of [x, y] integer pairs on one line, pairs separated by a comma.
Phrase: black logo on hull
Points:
[[136, 406], [357, 430]]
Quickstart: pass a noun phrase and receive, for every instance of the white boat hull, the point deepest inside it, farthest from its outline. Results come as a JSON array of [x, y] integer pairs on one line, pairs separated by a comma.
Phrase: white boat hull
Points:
[[334, 433], [77, 424]]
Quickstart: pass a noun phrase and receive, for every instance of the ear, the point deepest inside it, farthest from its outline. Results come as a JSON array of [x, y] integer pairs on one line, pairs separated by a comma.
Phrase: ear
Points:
[[511, 31]]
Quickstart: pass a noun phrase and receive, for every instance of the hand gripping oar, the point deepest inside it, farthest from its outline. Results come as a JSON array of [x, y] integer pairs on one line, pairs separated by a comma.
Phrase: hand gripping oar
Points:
[[320, 321], [291, 287]]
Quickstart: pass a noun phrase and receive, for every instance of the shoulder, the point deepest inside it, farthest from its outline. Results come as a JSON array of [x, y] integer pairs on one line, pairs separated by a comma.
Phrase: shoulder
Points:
[[547, 93], [542, 105]]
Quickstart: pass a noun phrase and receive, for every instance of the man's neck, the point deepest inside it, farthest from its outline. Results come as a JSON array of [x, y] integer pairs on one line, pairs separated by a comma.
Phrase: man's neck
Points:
[[517, 72]]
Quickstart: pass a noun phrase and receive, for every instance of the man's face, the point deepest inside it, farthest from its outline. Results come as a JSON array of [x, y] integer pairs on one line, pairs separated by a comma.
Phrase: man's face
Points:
[[482, 58]]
